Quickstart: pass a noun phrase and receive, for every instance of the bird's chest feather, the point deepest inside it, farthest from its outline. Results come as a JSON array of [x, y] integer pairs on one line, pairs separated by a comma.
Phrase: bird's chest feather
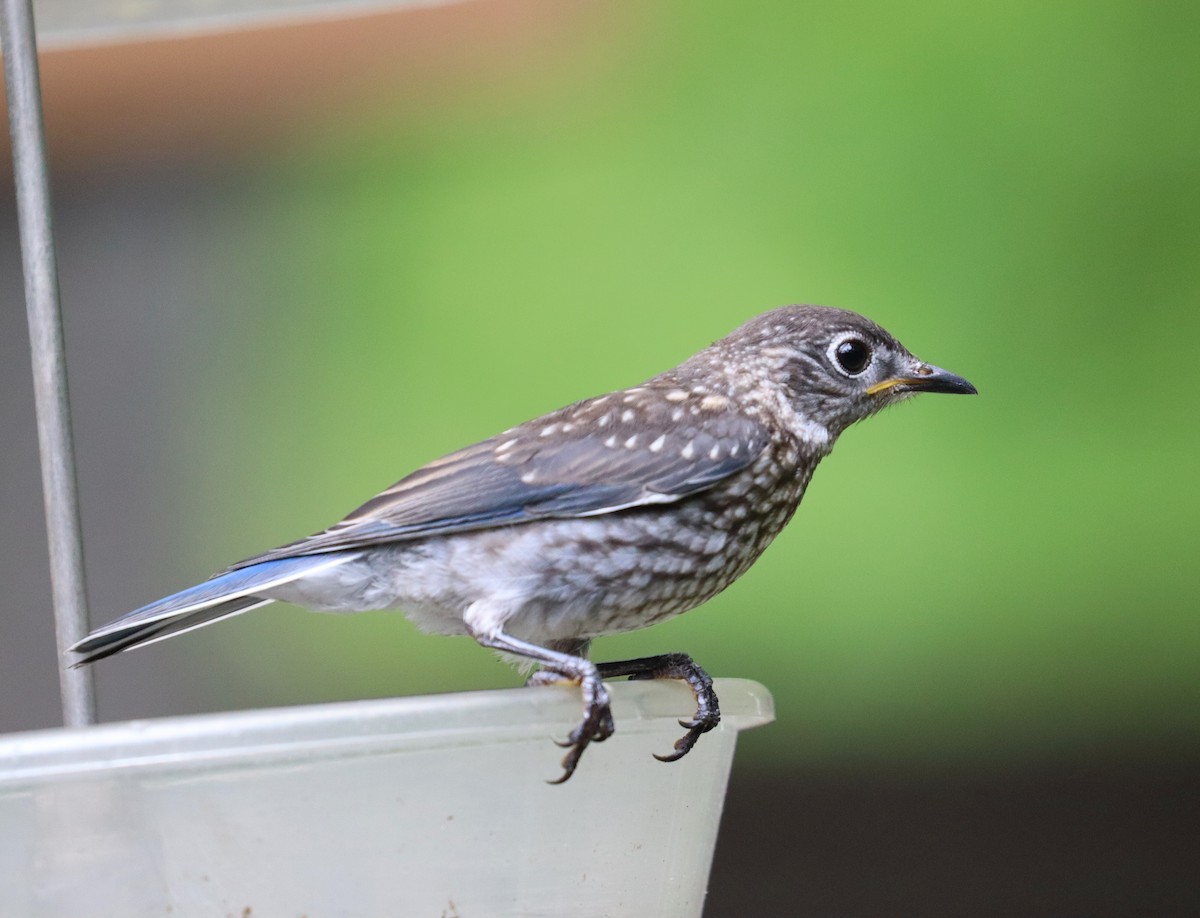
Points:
[[631, 569], [752, 508]]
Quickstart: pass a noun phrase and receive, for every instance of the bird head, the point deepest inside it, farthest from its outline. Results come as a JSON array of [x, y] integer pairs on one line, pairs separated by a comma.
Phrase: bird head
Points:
[[821, 369]]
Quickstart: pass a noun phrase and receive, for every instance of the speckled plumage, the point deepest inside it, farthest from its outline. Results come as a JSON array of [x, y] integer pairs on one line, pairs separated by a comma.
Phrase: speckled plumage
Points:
[[605, 516]]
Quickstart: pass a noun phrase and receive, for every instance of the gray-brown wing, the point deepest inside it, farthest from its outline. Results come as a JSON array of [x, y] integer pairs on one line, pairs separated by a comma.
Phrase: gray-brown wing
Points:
[[623, 450]]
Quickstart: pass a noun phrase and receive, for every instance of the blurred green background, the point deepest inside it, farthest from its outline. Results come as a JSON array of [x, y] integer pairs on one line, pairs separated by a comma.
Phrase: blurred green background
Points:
[[298, 262], [1012, 189]]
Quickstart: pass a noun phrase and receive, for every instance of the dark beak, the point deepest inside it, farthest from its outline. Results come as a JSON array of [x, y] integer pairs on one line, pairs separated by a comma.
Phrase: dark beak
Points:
[[926, 378]]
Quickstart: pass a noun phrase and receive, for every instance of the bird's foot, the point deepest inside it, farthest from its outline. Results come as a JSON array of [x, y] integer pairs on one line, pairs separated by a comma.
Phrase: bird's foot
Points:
[[675, 666], [597, 723]]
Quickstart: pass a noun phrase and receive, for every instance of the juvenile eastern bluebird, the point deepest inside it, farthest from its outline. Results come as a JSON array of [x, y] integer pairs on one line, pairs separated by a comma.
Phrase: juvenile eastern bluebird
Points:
[[605, 516]]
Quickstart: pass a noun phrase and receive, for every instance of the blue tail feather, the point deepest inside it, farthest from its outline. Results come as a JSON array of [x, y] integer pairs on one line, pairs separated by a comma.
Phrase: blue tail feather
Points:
[[226, 594]]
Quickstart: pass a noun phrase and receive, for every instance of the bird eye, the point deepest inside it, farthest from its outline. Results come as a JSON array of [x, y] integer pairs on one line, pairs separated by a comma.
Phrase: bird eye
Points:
[[853, 355]]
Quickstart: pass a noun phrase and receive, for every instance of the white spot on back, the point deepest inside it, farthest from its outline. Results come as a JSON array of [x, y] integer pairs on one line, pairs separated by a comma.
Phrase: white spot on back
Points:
[[631, 442], [715, 452], [627, 415], [611, 442], [604, 419], [658, 444], [676, 395], [549, 430], [507, 444], [714, 402], [688, 451]]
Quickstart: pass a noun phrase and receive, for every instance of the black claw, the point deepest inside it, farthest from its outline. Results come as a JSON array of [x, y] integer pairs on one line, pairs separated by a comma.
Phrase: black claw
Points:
[[683, 747], [579, 741], [570, 760], [684, 744], [597, 726]]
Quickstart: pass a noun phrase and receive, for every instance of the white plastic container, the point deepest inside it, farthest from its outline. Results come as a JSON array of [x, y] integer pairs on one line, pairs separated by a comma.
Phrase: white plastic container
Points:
[[427, 806]]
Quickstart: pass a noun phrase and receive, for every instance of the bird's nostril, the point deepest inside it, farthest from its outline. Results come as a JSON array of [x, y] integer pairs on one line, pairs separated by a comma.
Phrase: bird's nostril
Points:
[[924, 370]]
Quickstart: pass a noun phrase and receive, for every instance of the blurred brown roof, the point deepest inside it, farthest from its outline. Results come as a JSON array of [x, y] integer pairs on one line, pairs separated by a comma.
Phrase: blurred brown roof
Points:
[[240, 90]]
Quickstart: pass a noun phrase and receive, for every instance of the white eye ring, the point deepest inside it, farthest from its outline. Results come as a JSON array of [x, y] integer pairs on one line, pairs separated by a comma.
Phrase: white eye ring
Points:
[[850, 355]]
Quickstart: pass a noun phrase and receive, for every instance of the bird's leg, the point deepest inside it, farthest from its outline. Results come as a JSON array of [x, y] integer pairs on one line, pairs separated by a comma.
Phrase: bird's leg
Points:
[[674, 666], [597, 723]]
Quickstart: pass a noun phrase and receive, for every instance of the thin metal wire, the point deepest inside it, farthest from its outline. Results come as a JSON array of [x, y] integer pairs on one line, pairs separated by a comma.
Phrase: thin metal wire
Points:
[[49, 361]]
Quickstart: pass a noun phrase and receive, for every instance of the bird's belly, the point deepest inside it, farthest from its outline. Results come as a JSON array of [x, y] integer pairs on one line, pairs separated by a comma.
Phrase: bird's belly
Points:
[[412, 576], [583, 578], [352, 586]]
